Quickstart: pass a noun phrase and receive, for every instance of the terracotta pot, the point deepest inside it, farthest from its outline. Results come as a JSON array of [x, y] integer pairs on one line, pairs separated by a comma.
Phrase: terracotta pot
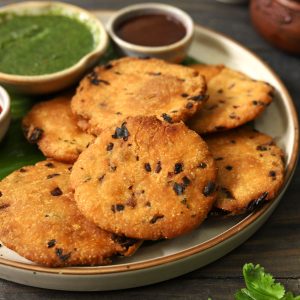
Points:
[[278, 21]]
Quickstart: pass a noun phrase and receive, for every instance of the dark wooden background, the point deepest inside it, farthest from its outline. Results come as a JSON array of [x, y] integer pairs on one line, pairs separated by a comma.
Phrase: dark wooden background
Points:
[[276, 245]]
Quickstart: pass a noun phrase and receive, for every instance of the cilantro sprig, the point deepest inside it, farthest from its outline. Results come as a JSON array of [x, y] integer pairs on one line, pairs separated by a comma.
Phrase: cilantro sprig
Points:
[[262, 286]]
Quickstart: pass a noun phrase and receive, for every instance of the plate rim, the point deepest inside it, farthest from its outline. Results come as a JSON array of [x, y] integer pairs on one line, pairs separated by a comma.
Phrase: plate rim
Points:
[[241, 225]]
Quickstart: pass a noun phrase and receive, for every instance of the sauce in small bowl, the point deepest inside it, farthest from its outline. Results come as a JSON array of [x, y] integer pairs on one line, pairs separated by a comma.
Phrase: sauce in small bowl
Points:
[[47, 46], [152, 29], [42, 44], [161, 29]]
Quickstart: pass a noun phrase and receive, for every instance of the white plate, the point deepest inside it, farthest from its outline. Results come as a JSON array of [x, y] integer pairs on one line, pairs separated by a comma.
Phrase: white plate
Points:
[[163, 260]]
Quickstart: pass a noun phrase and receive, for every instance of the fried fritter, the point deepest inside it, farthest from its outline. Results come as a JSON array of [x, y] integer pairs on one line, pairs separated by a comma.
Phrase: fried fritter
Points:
[[52, 126], [234, 99], [146, 179], [40, 221], [131, 87], [250, 169]]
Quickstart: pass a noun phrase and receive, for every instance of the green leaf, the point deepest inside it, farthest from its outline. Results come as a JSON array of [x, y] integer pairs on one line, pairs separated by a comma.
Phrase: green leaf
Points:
[[190, 61], [262, 284], [290, 296], [243, 294], [15, 151]]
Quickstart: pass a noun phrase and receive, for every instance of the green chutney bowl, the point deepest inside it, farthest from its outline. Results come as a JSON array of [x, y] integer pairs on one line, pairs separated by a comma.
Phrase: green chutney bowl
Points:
[[53, 82]]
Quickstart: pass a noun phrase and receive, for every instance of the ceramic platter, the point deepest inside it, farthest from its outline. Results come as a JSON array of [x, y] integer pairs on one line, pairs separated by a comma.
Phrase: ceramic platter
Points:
[[163, 260]]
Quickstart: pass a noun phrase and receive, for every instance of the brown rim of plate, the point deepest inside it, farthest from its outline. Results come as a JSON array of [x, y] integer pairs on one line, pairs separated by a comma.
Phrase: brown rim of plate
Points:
[[249, 219]]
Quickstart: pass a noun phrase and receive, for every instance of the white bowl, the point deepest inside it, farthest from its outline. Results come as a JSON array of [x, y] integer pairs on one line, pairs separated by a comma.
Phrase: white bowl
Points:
[[5, 114], [48, 83], [175, 52]]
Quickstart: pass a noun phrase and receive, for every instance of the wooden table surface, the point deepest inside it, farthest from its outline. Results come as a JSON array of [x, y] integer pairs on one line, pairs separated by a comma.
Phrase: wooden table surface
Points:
[[276, 245]]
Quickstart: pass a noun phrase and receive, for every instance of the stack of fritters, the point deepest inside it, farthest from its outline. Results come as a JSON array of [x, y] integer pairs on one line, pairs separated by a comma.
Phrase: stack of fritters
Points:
[[139, 172]]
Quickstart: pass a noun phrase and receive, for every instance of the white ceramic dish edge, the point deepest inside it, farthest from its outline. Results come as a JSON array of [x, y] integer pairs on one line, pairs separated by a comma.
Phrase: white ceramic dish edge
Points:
[[5, 114]]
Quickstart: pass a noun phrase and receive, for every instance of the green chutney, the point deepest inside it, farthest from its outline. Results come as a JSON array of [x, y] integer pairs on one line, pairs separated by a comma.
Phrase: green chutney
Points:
[[42, 44]]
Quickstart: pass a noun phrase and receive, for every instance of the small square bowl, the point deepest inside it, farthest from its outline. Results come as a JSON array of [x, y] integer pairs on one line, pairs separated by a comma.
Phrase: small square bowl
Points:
[[175, 52], [5, 113]]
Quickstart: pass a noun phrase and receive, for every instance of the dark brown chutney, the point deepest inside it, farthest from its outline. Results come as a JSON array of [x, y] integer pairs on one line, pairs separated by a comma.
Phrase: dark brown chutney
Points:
[[152, 30]]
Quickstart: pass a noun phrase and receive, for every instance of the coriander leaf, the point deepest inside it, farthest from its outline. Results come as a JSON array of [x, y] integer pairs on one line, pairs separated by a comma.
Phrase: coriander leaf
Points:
[[243, 294], [290, 296], [262, 284]]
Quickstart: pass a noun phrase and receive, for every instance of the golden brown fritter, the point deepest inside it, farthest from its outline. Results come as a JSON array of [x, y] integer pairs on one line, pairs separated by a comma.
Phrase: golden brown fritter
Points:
[[131, 87], [40, 221], [52, 126], [234, 99], [146, 179], [250, 169]]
